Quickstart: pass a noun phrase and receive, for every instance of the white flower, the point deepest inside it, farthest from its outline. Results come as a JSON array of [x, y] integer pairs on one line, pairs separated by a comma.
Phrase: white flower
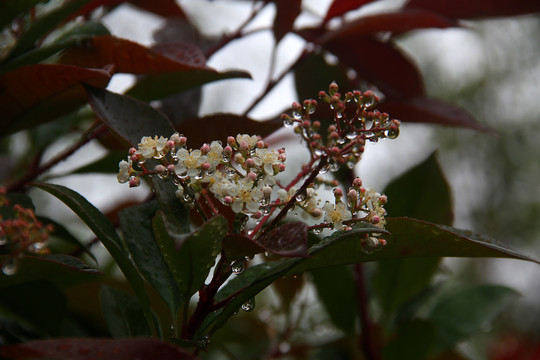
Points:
[[149, 148], [251, 140], [266, 159], [125, 171], [215, 154], [189, 162], [336, 214]]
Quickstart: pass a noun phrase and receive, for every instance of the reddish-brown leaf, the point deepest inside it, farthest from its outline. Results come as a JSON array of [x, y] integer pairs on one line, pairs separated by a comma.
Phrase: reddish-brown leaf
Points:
[[92, 349], [52, 89], [127, 57], [431, 111], [395, 22], [380, 63], [340, 7], [219, 126], [467, 9], [237, 246], [164, 8], [182, 52], [286, 13], [286, 240]]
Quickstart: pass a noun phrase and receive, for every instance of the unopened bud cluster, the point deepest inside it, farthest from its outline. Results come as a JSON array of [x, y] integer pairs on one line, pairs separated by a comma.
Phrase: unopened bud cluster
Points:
[[355, 121], [21, 234]]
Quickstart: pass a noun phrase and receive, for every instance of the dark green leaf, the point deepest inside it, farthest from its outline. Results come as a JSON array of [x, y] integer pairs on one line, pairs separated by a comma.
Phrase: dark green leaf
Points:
[[43, 25], [106, 164], [461, 313], [411, 340], [92, 349], [61, 270], [104, 230], [122, 313], [175, 211], [38, 303], [190, 257], [336, 289], [129, 118], [136, 224], [159, 86], [11, 9]]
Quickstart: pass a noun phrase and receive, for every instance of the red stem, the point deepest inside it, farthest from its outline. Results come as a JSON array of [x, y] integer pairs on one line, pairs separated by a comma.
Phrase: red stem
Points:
[[367, 340]]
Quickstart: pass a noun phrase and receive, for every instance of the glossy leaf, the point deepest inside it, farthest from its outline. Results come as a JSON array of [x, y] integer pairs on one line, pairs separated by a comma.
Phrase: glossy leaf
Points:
[[286, 13], [219, 126], [190, 257], [288, 240], [158, 86], [104, 230], [236, 246], [463, 9], [431, 111], [44, 25], [91, 349], [380, 63], [38, 303], [61, 270], [122, 313], [136, 224], [412, 340], [337, 291], [127, 117], [127, 57], [461, 313], [340, 7], [34, 94], [394, 22]]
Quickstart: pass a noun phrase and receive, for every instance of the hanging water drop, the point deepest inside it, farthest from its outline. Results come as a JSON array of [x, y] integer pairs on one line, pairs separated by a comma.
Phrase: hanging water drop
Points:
[[238, 267], [351, 135], [318, 231], [10, 266], [301, 196], [249, 305], [3, 240]]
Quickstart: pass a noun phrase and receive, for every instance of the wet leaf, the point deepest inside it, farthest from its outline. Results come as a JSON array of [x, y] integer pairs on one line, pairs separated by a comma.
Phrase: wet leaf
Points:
[[411, 340], [35, 94], [136, 224], [431, 111], [122, 313], [340, 7], [288, 240], [219, 126], [286, 13], [91, 349], [463, 9], [129, 118], [190, 257], [60, 269], [104, 230], [380, 63], [236, 246], [461, 313], [395, 22]]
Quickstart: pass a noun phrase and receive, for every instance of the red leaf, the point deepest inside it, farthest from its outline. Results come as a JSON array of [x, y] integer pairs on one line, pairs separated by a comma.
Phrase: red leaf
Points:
[[382, 64], [164, 8], [182, 52], [219, 126], [431, 111], [127, 57], [286, 240], [340, 7], [91, 349], [238, 246], [396, 22], [55, 88], [286, 13], [467, 9]]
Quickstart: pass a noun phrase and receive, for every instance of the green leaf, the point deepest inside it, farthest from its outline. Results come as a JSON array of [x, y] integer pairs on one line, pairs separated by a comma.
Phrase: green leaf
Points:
[[190, 257], [38, 303], [411, 340], [11, 9], [421, 193], [104, 230], [136, 224], [175, 211], [336, 289], [159, 86], [461, 313], [131, 119], [122, 313], [62, 270], [45, 24]]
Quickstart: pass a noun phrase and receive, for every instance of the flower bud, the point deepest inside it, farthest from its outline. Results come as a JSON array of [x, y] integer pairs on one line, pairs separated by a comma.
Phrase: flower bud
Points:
[[250, 162], [251, 175], [205, 149], [227, 150], [134, 181]]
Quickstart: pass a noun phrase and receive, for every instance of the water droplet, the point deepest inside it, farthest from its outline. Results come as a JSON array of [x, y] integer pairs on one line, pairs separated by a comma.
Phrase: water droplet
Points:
[[187, 197], [339, 115], [324, 169], [10, 266], [284, 347], [301, 196], [210, 172], [202, 343], [163, 175], [351, 164], [199, 175], [319, 151], [238, 267], [288, 122], [3, 240], [311, 110], [392, 134], [142, 161], [296, 115], [230, 172], [249, 305], [225, 158], [38, 247], [266, 210], [334, 167], [158, 156], [318, 231], [182, 174], [351, 135]]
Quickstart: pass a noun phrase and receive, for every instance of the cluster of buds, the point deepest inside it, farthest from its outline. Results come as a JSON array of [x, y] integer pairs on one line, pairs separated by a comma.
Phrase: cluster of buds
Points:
[[355, 121], [21, 234]]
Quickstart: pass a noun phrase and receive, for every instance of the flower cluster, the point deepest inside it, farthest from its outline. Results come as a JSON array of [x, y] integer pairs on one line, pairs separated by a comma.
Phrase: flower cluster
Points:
[[21, 233]]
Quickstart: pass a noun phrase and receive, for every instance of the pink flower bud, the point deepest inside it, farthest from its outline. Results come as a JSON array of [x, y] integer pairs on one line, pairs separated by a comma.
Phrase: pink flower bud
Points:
[[313, 102], [282, 157], [251, 175], [335, 151], [182, 141], [134, 181], [383, 199], [316, 213], [352, 194], [296, 106], [357, 182], [244, 146], [231, 141], [334, 135], [257, 215], [333, 87], [267, 191], [250, 162], [338, 193], [332, 128], [227, 150], [160, 169], [228, 200], [205, 149], [281, 167], [260, 144], [375, 220], [132, 151], [322, 94], [206, 166], [171, 168]]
